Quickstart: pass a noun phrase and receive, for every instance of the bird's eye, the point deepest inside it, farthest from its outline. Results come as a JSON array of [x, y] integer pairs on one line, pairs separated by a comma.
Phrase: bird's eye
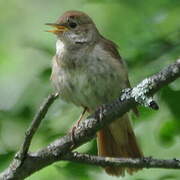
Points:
[[72, 24]]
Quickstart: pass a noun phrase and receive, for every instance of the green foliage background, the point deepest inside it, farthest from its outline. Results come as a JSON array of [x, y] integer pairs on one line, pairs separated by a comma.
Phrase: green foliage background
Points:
[[148, 34]]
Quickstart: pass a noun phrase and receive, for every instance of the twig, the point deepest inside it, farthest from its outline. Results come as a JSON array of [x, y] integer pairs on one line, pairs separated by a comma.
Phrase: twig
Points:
[[88, 128], [146, 162], [34, 126]]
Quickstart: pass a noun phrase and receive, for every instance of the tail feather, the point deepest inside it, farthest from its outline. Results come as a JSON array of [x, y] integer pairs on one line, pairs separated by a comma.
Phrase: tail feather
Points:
[[118, 140]]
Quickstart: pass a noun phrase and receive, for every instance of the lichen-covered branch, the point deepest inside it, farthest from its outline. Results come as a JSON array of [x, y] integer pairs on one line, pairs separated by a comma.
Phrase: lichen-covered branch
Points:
[[146, 162], [141, 94]]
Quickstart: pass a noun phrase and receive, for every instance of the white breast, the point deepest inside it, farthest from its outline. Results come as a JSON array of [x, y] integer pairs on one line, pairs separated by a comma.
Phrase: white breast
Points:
[[59, 47]]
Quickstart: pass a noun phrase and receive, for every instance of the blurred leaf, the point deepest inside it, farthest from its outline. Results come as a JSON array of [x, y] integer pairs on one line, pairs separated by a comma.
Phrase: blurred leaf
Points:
[[45, 74], [171, 97], [152, 50], [168, 177], [76, 171], [26, 112], [167, 132]]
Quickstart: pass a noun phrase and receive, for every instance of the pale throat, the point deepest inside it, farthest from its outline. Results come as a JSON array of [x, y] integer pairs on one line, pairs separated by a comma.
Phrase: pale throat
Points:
[[59, 47]]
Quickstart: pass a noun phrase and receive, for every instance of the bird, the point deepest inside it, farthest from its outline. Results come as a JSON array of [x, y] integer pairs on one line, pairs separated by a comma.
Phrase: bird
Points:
[[88, 71]]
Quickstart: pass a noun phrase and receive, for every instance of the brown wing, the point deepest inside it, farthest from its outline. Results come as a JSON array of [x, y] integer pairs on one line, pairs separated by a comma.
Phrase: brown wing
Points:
[[110, 46]]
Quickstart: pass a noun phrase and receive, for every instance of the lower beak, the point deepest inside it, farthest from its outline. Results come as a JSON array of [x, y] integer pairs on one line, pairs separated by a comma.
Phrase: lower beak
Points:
[[59, 28]]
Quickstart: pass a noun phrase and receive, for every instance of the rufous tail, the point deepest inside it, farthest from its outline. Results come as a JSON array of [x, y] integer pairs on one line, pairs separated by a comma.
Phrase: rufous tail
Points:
[[118, 140]]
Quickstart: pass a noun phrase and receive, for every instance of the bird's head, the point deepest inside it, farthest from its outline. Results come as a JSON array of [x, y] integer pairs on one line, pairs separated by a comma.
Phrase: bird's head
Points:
[[75, 28]]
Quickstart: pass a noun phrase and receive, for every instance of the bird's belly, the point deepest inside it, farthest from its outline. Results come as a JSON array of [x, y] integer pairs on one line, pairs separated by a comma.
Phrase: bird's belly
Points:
[[88, 89]]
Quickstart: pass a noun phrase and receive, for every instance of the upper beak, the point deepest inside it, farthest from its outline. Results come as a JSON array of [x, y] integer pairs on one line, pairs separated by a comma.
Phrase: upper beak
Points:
[[59, 28]]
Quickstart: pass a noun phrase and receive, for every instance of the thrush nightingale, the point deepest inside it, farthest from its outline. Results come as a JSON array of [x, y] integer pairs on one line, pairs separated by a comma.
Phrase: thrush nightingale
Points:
[[88, 71]]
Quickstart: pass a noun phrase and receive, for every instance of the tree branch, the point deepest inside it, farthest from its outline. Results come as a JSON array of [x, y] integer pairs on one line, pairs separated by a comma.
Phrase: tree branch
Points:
[[87, 129], [34, 126], [146, 162]]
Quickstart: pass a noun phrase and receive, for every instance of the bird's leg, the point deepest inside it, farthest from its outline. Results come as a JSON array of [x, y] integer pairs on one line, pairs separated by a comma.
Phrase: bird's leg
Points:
[[72, 131], [81, 117]]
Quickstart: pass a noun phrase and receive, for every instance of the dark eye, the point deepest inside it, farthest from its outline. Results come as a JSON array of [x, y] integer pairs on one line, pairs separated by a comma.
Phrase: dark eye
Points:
[[72, 24]]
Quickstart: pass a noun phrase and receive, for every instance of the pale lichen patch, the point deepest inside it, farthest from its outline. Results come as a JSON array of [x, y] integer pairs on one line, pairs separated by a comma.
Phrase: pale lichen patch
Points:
[[175, 70], [139, 93]]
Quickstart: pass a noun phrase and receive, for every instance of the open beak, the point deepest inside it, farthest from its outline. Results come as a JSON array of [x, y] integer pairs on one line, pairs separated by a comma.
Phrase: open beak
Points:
[[59, 28]]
